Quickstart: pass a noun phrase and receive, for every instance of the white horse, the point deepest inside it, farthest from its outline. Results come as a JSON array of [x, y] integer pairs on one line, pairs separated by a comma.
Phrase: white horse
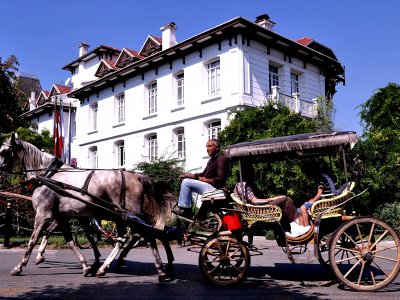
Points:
[[66, 192]]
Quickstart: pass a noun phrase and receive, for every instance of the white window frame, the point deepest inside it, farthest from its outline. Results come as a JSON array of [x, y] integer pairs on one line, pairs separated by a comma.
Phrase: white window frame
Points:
[[120, 108], [180, 142], [120, 153], [180, 88], [152, 147], [93, 116], [152, 97], [214, 78], [294, 83], [273, 76], [213, 128], [93, 158]]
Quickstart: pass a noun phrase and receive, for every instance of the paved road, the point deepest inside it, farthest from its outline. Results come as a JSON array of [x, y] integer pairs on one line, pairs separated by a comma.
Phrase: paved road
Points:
[[271, 276]]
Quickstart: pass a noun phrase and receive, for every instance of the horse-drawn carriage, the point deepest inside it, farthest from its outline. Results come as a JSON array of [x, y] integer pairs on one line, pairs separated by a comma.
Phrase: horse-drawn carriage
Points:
[[362, 252]]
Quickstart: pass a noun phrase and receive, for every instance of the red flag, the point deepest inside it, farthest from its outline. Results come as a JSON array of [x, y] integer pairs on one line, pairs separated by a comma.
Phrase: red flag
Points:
[[57, 135]]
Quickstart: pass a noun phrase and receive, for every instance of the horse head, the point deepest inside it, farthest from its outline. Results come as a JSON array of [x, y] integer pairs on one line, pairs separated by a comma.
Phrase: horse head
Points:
[[8, 154]]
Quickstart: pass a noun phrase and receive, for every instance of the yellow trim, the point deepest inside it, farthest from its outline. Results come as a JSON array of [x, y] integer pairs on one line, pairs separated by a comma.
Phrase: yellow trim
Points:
[[255, 213], [321, 206]]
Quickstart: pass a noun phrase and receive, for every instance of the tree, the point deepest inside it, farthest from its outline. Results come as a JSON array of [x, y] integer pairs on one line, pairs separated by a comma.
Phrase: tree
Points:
[[274, 120], [163, 169], [379, 149], [11, 98]]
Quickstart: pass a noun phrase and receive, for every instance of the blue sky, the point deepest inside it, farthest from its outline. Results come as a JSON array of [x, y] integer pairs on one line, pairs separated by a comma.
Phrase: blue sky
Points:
[[45, 34]]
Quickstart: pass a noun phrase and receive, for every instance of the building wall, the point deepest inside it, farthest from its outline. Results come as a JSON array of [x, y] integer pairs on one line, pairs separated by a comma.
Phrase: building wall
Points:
[[244, 81]]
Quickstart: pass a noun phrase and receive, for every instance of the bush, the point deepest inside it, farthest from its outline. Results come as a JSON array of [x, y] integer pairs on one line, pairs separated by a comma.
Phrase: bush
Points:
[[390, 212]]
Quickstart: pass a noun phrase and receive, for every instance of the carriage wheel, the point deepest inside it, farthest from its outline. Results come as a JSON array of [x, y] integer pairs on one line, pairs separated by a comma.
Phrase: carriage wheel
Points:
[[365, 254], [224, 260], [213, 223]]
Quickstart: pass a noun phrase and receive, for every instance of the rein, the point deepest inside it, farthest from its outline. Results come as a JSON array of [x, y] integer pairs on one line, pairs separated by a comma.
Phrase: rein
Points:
[[62, 187]]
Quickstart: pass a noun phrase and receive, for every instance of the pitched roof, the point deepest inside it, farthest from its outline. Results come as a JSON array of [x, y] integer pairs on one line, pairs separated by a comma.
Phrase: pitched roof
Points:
[[230, 30], [58, 89], [106, 66], [151, 45], [103, 50], [127, 56]]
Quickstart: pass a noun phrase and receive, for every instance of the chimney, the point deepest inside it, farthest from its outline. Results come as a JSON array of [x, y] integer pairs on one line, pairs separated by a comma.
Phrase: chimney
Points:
[[168, 35], [265, 22], [83, 49], [32, 101]]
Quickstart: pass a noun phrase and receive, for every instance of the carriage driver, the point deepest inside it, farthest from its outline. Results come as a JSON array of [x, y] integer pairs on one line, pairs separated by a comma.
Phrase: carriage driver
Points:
[[213, 177]]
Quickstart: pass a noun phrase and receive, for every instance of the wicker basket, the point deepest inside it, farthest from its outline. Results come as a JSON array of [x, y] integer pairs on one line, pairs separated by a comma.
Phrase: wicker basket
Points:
[[321, 206], [255, 213]]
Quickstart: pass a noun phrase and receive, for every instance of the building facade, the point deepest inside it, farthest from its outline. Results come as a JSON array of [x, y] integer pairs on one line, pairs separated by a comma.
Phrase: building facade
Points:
[[169, 98]]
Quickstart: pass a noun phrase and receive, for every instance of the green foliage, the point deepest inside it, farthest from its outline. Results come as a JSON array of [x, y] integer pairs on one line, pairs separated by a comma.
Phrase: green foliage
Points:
[[325, 114], [271, 120], [390, 212], [12, 98], [283, 176], [163, 169], [379, 150], [43, 141]]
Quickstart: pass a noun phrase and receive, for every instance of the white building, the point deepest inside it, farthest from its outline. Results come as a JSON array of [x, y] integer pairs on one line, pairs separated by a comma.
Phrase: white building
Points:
[[169, 98]]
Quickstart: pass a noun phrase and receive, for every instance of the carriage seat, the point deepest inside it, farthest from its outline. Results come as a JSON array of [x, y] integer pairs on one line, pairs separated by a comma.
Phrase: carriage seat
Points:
[[254, 213], [213, 195], [320, 206]]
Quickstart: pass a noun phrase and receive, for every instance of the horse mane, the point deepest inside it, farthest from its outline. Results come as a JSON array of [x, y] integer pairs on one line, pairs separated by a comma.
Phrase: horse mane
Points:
[[32, 158], [164, 198]]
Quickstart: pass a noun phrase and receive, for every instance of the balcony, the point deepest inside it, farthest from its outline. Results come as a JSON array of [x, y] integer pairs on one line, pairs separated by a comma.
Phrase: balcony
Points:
[[305, 108]]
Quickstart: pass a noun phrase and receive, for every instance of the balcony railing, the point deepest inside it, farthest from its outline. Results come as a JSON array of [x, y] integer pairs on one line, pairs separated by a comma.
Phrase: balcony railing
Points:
[[295, 104]]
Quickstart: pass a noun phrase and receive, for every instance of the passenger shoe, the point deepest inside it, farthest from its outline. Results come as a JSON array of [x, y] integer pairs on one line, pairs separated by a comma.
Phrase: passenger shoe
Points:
[[185, 213], [297, 230]]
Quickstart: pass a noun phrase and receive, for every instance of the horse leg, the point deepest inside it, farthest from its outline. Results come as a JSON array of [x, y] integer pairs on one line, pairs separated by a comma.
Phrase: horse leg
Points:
[[170, 257], [162, 276], [66, 231], [87, 229], [121, 240], [106, 265], [121, 258], [37, 230], [46, 233]]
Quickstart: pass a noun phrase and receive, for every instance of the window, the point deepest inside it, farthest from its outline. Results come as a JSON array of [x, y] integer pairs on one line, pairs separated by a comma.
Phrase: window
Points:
[[120, 108], [93, 116], [180, 145], [120, 153], [93, 158], [153, 147], [213, 129], [152, 98], [180, 90], [294, 83], [273, 77], [213, 78]]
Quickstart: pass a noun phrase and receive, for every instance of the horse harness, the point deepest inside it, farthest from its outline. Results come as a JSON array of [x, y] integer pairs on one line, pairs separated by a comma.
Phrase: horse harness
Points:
[[122, 194]]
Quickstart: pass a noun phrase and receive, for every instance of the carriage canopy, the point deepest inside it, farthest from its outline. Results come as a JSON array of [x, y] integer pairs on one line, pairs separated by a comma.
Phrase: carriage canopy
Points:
[[294, 145]]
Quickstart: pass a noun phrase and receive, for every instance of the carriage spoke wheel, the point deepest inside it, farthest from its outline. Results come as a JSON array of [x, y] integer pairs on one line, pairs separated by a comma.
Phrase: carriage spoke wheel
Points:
[[365, 254], [212, 224], [224, 260]]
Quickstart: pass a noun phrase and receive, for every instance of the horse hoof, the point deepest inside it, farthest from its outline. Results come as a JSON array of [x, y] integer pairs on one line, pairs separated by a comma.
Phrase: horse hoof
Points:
[[162, 277], [101, 272], [15, 272], [86, 271], [39, 260]]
